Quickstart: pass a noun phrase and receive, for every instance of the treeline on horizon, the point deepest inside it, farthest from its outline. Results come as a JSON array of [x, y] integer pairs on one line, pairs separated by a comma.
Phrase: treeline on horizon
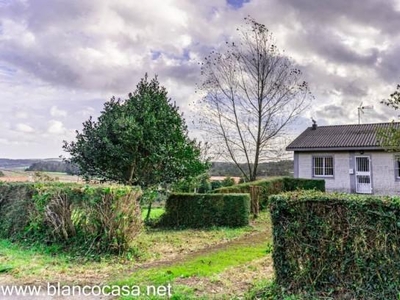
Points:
[[267, 169], [54, 166], [279, 168]]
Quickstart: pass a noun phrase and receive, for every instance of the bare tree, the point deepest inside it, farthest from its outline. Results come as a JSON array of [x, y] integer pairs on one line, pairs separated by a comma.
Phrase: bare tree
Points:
[[252, 93]]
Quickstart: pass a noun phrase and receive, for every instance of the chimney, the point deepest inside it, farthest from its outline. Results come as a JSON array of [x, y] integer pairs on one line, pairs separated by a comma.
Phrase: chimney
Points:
[[314, 125]]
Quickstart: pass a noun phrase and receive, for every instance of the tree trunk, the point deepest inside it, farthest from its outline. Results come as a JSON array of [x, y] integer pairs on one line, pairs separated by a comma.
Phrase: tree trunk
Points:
[[148, 211]]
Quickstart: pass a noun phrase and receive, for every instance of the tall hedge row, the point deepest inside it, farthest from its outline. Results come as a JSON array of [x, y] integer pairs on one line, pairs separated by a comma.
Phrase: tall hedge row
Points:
[[92, 218], [206, 210], [274, 186], [337, 245]]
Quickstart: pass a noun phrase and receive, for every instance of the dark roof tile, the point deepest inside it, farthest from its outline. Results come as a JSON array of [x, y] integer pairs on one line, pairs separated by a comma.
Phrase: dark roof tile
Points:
[[339, 136]]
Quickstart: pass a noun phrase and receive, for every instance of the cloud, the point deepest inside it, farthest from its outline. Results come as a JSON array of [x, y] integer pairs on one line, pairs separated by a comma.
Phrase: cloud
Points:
[[21, 127], [61, 60], [55, 112], [21, 115], [56, 127]]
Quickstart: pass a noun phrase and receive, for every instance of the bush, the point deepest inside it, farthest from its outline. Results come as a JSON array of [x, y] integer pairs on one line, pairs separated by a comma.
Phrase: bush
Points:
[[337, 245], [15, 207], [206, 210], [274, 186], [228, 181], [91, 218], [292, 184], [216, 184], [204, 186]]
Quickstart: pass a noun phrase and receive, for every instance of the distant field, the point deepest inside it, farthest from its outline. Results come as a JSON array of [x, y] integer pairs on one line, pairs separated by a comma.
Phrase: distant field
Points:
[[18, 175]]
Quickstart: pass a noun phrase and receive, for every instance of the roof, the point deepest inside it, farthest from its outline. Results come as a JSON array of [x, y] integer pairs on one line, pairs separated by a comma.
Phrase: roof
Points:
[[340, 137]]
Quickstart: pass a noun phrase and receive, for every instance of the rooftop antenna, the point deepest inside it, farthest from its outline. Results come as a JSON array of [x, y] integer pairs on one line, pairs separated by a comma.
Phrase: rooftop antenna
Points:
[[361, 110]]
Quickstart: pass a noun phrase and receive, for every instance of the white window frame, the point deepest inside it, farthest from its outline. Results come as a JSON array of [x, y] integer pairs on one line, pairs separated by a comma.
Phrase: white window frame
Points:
[[324, 168]]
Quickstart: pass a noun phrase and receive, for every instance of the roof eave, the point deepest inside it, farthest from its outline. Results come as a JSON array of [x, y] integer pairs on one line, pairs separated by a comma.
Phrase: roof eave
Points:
[[335, 148]]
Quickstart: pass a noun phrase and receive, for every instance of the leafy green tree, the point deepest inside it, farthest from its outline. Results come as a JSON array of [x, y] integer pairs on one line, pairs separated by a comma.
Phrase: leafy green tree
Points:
[[142, 140], [390, 136], [199, 184]]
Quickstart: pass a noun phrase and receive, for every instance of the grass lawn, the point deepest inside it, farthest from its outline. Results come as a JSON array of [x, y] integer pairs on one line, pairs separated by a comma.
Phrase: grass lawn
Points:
[[209, 267], [155, 213], [178, 257]]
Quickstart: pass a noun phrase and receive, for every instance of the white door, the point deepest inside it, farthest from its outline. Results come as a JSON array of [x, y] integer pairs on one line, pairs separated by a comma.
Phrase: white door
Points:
[[363, 175]]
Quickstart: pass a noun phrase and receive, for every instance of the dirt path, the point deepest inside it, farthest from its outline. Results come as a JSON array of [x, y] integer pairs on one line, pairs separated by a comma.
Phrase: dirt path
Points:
[[203, 286], [254, 238]]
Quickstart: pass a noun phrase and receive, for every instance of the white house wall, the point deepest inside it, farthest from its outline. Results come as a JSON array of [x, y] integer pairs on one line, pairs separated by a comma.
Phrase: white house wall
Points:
[[382, 171], [341, 179]]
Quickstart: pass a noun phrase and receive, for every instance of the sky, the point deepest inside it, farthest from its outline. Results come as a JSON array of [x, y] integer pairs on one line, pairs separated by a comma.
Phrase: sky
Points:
[[60, 60]]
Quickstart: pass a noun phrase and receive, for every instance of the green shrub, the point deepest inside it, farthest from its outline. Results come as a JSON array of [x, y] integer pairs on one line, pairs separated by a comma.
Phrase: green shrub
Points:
[[292, 184], [206, 210], [337, 245], [205, 185], [16, 205], [93, 218], [216, 184], [275, 185], [228, 181]]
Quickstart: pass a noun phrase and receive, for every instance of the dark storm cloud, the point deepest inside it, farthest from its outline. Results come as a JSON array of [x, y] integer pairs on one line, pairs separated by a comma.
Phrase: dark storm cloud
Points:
[[73, 52], [331, 112], [381, 15], [353, 88], [389, 66], [44, 65], [329, 46]]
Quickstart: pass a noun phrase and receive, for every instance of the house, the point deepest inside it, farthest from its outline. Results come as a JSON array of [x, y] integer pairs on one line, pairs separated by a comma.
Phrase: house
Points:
[[348, 157]]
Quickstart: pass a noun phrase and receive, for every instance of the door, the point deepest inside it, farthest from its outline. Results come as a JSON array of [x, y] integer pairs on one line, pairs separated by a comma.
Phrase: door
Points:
[[363, 175]]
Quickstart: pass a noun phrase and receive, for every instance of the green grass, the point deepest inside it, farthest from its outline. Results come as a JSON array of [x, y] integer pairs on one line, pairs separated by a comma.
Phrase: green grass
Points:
[[203, 266], [36, 263], [154, 214], [22, 261]]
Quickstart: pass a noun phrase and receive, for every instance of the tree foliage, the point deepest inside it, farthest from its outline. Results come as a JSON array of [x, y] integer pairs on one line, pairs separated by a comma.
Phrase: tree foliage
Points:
[[394, 99], [142, 140], [390, 136], [252, 93]]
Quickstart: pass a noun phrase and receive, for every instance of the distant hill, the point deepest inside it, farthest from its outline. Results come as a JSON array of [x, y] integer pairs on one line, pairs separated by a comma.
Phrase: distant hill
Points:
[[6, 163], [279, 168]]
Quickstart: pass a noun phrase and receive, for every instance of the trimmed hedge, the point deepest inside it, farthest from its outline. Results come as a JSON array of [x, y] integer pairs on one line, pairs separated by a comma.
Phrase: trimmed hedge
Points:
[[337, 245], [206, 210], [90, 218], [275, 185]]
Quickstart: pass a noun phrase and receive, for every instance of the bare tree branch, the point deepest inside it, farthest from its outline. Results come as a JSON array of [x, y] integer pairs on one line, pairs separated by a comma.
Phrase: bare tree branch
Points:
[[252, 93]]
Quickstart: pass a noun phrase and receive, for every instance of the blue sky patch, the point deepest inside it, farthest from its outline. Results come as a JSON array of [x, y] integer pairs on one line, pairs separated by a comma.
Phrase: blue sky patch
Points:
[[155, 54], [6, 71], [237, 3]]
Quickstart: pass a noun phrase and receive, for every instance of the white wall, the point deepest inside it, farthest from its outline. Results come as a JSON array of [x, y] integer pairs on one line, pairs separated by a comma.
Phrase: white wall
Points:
[[341, 179], [382, 170], [383, 173]]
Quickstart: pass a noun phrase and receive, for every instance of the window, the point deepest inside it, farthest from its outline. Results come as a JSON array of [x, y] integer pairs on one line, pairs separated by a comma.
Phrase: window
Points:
[[323, 166], [397, 166]]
